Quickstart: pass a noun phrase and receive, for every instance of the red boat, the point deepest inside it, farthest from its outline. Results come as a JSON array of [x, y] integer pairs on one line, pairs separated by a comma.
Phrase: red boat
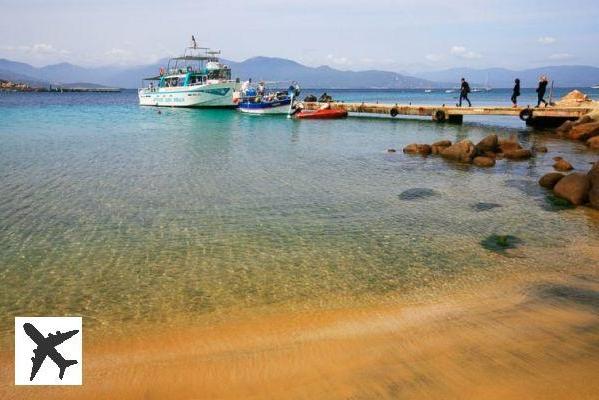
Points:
[[322, 114]]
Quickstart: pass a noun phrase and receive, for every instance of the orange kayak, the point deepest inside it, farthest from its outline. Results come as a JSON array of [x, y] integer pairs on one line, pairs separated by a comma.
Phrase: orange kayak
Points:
[[322, 114]]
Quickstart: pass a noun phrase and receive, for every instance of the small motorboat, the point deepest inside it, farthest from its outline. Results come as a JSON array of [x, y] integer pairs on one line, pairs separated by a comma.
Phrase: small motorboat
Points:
[[327, 113], [257, 101]]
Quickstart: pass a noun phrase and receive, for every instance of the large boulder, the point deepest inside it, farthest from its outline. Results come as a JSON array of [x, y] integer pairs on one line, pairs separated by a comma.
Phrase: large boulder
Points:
[[564, 128], [509, 144], [440, 145], [562, 165], [593, 143], [593, 176], [574, 188], [517, 154], [462, 151], [584, 131], [416, 148], [489, 143], [482, 161], [550, 180]]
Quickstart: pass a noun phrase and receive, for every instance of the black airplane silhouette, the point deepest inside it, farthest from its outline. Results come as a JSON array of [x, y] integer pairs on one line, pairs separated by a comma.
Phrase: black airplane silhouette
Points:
[[46, 347]]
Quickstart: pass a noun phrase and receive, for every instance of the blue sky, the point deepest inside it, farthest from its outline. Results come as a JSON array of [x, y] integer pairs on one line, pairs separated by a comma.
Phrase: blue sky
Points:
[[404, 36]]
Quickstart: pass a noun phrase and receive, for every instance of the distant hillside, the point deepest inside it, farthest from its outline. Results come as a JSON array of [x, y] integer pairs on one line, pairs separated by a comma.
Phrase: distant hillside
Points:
[[563, 76], [279, 69], [258, 68]]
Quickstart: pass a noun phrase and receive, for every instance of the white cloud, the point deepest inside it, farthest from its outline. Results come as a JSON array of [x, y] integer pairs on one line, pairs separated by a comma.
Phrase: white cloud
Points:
[[561, 56], [462, 52], [433, 57], [36, 49], [547, 40], [338, 60]]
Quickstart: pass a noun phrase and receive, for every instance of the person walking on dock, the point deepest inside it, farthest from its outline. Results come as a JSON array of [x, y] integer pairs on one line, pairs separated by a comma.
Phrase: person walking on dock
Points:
[[516, 92], [464, 90], [543, 81]]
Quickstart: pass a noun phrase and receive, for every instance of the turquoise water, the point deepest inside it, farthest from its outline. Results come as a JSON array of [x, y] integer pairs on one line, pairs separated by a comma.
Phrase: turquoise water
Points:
[[120, 214]]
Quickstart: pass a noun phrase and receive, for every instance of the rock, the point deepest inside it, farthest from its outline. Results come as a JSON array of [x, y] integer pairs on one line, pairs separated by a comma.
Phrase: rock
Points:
[[489, 143], [509, 144], [574, 188], [573, 99], [562, 165], [550, 180], [517, 154], [417, 194], [564, 128], [593, 143], [584, 131], [482, 161], [415, 148], [440, 145], [391, 151], [593, 176], [484, 206], [462, 151], [539, 149]]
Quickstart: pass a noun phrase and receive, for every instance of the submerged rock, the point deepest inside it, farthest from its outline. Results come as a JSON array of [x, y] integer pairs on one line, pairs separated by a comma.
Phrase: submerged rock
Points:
[[593, 177], [574, 188], [440, 145], [489, 143], [391, 150], [554, 203], [482, 161], [462, 151], [485, 206], [416, 148], [550, 180], [501, 243], [417, 194], [562, 165], [540, 149]]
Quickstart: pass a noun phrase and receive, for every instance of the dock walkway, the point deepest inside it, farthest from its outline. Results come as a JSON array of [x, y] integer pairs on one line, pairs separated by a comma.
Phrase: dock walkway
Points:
[[549, 116]]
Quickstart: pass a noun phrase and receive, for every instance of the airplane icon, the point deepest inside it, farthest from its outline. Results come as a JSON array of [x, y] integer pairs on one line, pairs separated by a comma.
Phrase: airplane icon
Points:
[[46, 347]]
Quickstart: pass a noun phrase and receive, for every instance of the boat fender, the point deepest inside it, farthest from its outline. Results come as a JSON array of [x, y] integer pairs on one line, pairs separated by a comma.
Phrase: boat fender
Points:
[[394, 112], [526, 114], [440, 116]]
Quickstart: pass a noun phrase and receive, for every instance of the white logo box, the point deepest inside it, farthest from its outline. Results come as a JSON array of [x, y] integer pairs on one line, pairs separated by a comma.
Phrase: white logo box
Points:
[[69, 349]]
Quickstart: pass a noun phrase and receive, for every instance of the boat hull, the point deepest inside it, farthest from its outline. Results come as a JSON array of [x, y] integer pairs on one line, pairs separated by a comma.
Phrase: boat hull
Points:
[[212, 95], [322, 114], [272, 108]]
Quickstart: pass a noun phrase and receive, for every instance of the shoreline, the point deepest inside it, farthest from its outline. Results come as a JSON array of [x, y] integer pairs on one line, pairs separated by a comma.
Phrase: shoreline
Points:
[[524, 334]]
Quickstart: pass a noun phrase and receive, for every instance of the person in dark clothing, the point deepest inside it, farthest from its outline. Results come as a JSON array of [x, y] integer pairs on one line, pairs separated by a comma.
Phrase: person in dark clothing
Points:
[[543, 81], [464, 90], [516, 92]]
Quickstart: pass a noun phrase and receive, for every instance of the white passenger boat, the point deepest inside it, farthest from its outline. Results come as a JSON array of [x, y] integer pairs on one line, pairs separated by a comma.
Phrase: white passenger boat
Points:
[[196, 79]]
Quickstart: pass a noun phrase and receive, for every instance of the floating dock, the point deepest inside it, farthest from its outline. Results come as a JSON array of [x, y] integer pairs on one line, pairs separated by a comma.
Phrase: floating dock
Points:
[[543, 116]]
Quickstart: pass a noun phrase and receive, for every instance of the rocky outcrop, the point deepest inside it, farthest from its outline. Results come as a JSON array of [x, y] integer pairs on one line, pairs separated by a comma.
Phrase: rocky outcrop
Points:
[[489, 144], [593, 143], [462, 151], [562, 165], [549, 180], [517, 154], [593, 177], [482, 161], [584, 131], [440, 145], [509, 144], [574, 188], [416, 148]]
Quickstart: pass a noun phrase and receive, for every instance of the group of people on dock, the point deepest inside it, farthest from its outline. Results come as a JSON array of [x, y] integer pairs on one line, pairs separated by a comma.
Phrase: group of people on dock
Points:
[[541, 90]]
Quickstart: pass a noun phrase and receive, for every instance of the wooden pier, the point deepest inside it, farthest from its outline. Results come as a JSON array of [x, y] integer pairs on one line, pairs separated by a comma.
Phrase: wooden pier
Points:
[[549, 116]]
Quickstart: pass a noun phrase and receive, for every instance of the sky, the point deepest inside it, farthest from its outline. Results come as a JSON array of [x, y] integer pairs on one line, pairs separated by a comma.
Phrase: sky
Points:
[[394, 35]]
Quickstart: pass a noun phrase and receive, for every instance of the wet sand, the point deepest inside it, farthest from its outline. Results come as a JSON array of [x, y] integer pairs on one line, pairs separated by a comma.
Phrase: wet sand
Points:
[[534, 338]]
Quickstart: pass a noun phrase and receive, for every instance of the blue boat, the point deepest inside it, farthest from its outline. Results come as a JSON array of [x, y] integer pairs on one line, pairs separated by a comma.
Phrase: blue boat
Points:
[[257, 101]]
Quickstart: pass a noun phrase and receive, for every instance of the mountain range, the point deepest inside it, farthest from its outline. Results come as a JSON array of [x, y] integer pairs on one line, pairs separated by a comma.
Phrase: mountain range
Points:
[[325, 77]]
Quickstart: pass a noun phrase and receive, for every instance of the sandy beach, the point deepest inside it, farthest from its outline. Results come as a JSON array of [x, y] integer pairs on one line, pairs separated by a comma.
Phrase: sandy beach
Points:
[[534, 337]]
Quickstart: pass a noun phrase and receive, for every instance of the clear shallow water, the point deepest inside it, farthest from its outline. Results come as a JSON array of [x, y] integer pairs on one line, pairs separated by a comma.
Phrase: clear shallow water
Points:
[[118, 213]]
